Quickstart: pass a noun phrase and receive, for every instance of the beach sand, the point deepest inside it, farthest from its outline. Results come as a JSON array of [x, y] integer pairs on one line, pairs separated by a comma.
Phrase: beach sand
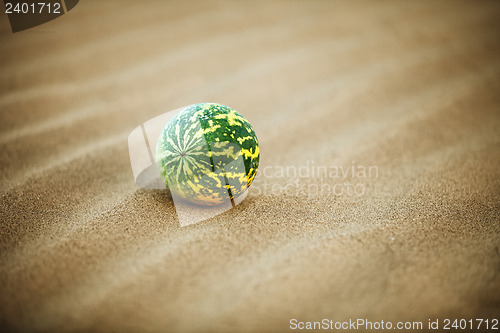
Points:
[[410, 89]]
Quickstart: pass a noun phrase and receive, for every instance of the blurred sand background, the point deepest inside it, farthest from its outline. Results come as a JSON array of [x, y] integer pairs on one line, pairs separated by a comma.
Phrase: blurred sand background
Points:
[[412, 88]]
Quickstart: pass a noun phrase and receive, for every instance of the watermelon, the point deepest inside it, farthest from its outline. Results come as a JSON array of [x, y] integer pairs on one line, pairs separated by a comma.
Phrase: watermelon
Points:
[[206, 153]]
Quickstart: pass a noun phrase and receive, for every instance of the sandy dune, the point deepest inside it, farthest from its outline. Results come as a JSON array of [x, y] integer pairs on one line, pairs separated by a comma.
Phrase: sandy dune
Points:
[[409, 88]]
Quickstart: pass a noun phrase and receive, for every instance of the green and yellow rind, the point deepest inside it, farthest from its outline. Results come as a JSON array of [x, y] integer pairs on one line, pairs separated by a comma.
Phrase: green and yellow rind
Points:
[[207, 151]]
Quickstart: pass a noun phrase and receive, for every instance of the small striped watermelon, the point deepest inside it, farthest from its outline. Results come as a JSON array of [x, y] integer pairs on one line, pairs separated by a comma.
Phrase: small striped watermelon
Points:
[[206, 153]]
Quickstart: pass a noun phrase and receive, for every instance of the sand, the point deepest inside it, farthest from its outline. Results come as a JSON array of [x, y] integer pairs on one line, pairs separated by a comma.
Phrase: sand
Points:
[[408, 88]]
